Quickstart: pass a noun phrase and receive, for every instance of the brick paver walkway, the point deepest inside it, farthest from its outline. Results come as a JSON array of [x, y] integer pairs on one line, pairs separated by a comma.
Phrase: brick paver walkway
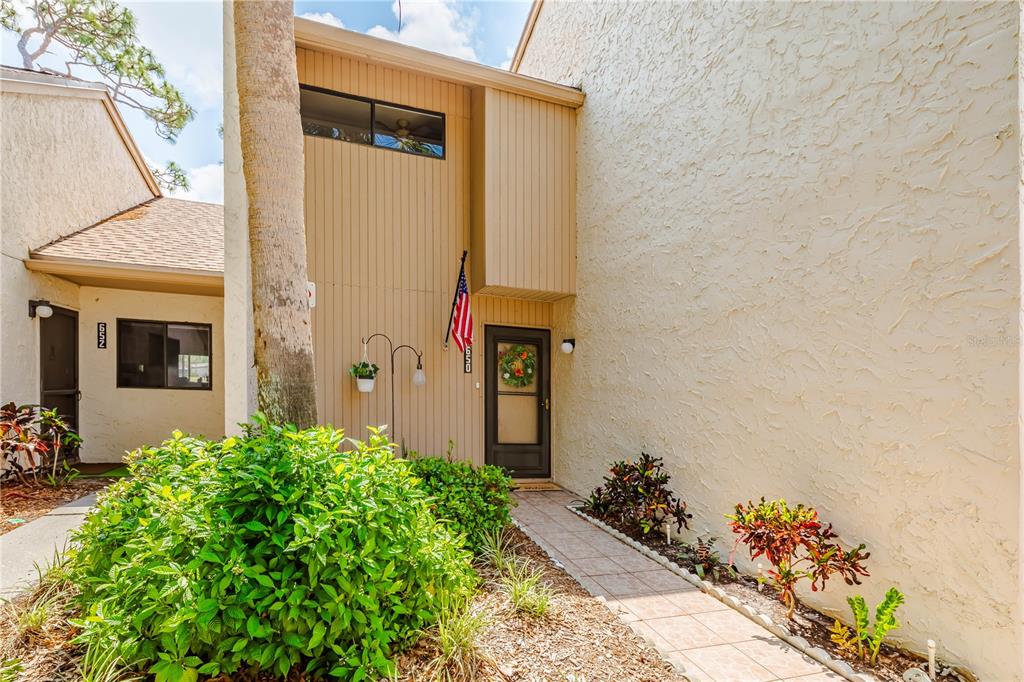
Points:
[[705, 638]]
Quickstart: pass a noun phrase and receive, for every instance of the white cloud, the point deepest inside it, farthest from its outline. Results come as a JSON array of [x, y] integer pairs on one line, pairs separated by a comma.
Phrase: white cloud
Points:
[[436, 25], [193, 58], [510, 53], [324, 18], [206, 183]]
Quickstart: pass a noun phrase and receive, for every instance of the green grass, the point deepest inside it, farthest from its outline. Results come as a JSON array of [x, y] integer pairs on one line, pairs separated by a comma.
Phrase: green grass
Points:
[[497, 550], [456, 635], [103, 664], [522, 585]]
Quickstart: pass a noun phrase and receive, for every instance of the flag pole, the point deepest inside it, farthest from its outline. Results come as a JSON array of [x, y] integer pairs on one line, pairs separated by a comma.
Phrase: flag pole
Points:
[[455, 298]]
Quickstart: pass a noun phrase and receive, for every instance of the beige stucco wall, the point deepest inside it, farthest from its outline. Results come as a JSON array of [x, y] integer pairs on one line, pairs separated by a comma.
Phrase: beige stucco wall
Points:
[[113, 419], [798, 277], [64, 168]]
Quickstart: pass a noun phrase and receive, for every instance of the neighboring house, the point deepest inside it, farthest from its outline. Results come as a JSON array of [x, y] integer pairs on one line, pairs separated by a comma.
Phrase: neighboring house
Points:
[[798, 276], [134, 280]]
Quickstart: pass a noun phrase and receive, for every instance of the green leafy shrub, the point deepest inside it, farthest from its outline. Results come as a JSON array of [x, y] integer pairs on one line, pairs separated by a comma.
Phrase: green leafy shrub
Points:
[[474, 500], [269, 552], [636, 496], [798, 546], [863, 640]]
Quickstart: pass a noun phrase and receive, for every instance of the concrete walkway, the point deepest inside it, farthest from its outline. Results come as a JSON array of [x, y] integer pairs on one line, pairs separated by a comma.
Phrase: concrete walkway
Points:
[[700, 635], [36, 543]]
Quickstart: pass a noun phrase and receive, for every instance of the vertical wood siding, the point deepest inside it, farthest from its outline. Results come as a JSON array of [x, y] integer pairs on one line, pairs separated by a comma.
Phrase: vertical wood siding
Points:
[[385, 231], [527, 188]]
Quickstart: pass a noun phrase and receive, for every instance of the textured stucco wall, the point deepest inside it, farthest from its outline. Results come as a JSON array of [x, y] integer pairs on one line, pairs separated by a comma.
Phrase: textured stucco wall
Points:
[[113, 420], [64, 168], [798, 277], [239, 363]]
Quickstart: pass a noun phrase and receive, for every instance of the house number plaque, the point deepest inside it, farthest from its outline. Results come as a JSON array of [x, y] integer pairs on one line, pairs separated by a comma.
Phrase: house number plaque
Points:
[[467, 360], [101, 334]]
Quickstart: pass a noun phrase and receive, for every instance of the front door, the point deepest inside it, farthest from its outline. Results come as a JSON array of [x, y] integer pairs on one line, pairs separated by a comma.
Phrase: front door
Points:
[[58, 363], [518, 415]]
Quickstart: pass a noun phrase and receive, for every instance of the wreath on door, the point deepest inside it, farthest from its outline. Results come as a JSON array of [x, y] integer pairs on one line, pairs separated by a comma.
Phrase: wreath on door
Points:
[[518, 366]]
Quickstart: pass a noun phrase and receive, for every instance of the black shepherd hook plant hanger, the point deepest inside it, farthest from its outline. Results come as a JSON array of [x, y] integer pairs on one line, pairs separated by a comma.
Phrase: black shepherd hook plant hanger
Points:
[[418, 377]]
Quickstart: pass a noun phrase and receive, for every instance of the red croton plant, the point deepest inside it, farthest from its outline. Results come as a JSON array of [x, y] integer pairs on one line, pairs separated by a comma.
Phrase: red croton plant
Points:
[[32, 439], [797, 545]]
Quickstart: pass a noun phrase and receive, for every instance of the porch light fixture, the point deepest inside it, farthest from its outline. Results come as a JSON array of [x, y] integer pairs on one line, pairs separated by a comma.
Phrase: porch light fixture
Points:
[[40, 308], [419, 377], [568, 345]]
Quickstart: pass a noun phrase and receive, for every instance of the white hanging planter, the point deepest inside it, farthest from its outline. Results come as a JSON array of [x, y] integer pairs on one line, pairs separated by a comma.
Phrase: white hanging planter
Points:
[[365, 385]]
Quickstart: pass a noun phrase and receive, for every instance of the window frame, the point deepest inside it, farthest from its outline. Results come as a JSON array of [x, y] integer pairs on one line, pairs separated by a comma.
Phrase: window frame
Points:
[[165, 323], [373, 121]]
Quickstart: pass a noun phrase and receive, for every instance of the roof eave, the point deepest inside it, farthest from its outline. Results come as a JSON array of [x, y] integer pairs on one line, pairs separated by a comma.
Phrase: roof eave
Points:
[[129, 276], [320, 36]]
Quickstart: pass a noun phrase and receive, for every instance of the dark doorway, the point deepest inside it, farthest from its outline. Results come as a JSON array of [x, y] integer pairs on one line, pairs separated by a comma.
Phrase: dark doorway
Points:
[[518, 414], [58, 364]]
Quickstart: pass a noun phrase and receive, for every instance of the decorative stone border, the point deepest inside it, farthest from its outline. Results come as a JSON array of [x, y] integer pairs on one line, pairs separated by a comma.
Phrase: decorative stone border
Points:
[[836, 665]]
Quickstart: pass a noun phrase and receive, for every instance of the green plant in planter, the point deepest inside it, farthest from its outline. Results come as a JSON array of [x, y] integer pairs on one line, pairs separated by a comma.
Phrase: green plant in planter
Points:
[[860, 640], [364, 370], [797, 545], [270, 553], [636, 496]]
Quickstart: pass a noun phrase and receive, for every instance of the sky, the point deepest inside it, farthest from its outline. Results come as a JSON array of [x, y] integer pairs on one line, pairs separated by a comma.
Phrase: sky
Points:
[[485, 32], [186, 37]]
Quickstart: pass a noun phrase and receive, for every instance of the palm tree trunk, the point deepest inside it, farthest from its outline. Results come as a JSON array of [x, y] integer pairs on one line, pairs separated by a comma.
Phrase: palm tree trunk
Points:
[[268, 98]]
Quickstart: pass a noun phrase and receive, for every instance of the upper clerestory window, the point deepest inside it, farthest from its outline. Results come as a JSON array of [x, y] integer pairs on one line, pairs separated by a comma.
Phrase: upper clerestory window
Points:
[[354, 119]]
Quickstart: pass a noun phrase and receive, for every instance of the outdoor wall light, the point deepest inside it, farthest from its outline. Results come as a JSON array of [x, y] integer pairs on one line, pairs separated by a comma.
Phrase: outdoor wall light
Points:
[[568, 345], [40, 307]]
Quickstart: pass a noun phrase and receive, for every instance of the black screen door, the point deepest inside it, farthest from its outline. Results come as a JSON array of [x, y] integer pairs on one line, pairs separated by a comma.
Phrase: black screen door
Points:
[[518, 416], [58, 363]]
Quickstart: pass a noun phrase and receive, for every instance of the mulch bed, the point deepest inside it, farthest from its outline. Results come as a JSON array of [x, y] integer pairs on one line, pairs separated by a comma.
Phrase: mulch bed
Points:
[[578, 637], [807, 623], [27, 502]]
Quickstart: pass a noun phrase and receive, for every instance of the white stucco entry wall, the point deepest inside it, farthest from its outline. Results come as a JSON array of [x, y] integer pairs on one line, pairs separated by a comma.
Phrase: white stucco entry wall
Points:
[[114, 420], [799, 277]]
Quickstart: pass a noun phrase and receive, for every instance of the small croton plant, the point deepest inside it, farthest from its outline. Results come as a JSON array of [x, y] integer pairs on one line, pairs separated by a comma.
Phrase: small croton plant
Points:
[[797, 545], [636, 497], [364, 370], [861, 640]]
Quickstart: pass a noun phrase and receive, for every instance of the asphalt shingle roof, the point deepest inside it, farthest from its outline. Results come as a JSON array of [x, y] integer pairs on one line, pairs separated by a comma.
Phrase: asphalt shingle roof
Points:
[[161, 233]]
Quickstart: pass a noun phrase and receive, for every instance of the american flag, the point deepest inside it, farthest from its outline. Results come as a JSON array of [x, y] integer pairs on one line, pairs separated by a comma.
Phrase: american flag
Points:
[[462, 320]]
